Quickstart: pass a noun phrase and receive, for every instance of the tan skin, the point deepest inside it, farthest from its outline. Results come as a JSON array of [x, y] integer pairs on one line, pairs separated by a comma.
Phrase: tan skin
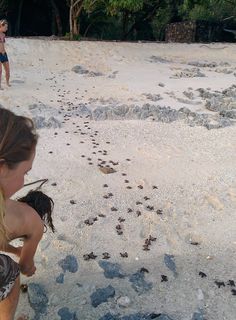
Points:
[[21, 222], [6, 66]]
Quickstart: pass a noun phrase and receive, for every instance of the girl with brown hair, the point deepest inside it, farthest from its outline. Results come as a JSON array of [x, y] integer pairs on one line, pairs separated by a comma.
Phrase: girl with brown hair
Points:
[[18, 142]]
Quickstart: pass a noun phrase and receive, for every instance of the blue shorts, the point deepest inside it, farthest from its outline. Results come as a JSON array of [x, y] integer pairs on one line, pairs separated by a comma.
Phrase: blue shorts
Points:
[[3, 57]]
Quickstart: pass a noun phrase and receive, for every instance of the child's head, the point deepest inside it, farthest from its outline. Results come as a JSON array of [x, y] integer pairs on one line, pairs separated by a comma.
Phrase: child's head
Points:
[[41, 203], [17, 150], [3, 25]]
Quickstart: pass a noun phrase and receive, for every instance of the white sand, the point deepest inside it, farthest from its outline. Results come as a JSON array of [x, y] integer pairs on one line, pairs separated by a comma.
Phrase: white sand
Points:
[[193, 168]]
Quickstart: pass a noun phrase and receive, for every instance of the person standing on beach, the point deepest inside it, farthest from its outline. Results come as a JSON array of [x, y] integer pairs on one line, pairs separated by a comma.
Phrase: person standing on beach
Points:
[[18, 142], [3, 55]]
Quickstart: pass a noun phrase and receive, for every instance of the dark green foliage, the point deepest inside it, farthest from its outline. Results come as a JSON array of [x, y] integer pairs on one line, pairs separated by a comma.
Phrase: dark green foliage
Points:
[[113, 19]]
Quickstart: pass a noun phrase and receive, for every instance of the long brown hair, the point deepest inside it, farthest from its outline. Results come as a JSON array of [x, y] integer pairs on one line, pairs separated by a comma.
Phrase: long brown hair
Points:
[[17, 141]]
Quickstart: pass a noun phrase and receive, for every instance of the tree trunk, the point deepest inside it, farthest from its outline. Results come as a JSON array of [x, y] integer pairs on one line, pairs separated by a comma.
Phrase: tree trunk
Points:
[[18, 21], [124, 23], [75, 26], [76, 7], [53, 26], [71, 23], [57, 17]]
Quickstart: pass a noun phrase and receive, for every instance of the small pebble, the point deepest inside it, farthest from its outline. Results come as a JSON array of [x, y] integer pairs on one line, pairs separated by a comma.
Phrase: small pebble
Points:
[[24, 287], [123, 301]]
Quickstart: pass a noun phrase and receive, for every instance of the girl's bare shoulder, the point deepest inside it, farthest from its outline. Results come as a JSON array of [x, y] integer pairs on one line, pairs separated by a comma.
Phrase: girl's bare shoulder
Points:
[[23, 213]]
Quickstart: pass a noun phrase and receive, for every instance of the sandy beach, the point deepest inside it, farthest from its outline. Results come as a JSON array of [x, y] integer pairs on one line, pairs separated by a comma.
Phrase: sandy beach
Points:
[[138, 142]]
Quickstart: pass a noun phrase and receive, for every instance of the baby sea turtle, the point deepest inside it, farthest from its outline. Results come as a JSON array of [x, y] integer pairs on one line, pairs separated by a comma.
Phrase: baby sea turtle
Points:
[[119, 229], [124, 254], [138, 212], [146, 247], [150, 208], [202, 274], [106, 255], [89, 256], [151, 238], [164, 278], [90, 221], [233, 292], [231, 283], [220, 284]]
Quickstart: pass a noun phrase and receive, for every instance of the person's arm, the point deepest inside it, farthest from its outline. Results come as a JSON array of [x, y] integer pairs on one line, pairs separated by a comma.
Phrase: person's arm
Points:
[[29, 248], [11, 249]]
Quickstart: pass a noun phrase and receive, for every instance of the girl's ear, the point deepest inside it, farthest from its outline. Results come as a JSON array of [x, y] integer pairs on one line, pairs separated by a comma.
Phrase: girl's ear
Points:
[[3, 168], [2, 165]]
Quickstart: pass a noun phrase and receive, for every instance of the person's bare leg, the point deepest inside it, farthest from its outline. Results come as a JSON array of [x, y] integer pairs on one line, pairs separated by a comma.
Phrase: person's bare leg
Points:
[[7, 72], [0, 75], [8, 305]]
